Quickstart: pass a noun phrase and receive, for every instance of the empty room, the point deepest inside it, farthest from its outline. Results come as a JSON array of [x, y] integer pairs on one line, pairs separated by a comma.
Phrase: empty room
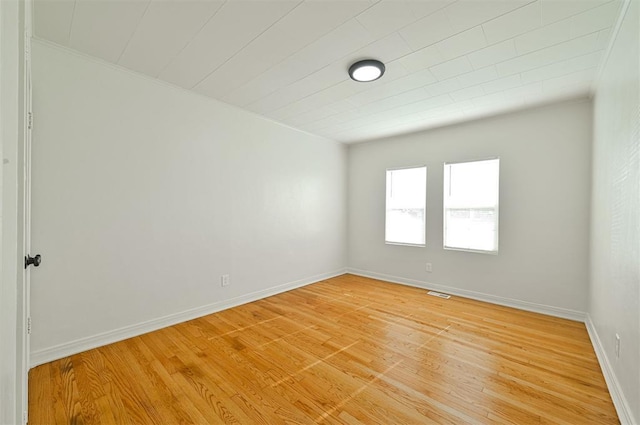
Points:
[[320, 212]]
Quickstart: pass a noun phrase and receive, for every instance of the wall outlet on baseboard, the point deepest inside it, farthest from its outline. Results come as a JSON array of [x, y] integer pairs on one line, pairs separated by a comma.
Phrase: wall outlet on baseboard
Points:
[[224, 280], [429, 268], [617, 346]]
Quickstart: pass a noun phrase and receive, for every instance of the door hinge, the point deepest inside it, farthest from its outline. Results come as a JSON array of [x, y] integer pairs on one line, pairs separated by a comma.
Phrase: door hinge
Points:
[[24, 417], [29, 120], [28, 325]]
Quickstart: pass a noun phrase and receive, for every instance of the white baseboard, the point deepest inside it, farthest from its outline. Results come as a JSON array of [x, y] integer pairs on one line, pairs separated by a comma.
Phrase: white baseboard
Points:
[[564, 313], [619, 401], [83, 344]]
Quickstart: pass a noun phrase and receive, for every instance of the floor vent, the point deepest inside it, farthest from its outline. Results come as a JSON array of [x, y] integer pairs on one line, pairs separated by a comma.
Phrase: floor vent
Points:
[[439, 295]]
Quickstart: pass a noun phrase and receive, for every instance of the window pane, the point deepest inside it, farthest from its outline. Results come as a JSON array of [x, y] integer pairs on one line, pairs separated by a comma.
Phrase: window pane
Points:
[[471, 205], [406, 201]]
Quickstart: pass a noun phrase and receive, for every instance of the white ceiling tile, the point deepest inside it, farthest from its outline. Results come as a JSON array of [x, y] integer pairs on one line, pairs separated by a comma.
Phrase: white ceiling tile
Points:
[[423, 58], [232, 74], [421, 8], [502, 84], [386, 49], [386, 16], [427, 31], [234, 26], [288, 59], [52, 20], [556, 10], [519, 21], [307, 86], [468, 93], [321, 80], [462, 43], [560, 93], [584, 76], [343, 106], [544, 37], [603, 39], [493, 54], [524, 90], [344, 40], [443, 87], [594, 19], [352, 123], [477, 77], [423, 105], [488, 100], [93, 30], [321, 98], [348, 37], [152, 47], [393, 114], [452, 68], [439, 116], [557, 69], [465, 14], [303, 25], [275, 78], [339, 124], [395, 101], [387, 89], [334, 121], [311, 116], [498, 106], [559, 52]]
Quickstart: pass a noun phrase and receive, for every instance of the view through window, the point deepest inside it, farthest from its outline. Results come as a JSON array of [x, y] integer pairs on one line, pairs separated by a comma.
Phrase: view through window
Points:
[[406, 205], [471, 205]]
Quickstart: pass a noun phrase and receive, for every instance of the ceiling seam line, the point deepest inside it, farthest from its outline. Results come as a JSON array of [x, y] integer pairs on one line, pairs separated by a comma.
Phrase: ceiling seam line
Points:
[[188, 43], [73, 15], [126, 46], [247, 44]]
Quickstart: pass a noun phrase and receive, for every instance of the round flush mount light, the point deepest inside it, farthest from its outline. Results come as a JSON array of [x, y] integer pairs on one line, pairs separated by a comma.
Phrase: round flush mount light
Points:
[[366, 70]]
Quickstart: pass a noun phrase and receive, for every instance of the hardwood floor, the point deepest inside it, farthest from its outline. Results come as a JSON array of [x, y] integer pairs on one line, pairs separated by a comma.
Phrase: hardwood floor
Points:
[[348, 350]]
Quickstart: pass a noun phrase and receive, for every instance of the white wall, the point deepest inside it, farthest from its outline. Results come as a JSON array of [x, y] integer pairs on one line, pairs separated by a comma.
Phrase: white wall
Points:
[[544, 208], [614, 290], [145, 194]]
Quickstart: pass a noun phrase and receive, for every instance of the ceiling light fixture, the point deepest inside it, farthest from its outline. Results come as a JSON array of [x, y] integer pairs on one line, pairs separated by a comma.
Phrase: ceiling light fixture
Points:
[[366, 70]]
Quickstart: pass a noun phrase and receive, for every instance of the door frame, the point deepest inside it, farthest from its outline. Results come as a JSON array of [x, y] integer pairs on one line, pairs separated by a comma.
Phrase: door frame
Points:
[[24, 208], [15, 34]]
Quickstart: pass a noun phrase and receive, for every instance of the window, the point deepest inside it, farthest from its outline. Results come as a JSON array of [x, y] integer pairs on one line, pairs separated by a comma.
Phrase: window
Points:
[[406, 202], [471, 205]]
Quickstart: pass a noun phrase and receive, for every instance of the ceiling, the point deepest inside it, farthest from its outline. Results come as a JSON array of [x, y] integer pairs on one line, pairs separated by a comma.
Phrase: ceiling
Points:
[[287, 60]]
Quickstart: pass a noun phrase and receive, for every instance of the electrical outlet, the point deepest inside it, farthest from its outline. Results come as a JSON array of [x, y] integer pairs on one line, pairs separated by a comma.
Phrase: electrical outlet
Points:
[[224, 280], [617, 346], [429, 268]]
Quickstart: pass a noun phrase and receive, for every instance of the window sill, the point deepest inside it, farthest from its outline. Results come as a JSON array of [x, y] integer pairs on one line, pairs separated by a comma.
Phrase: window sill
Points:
[[475, 251], [405, 244]]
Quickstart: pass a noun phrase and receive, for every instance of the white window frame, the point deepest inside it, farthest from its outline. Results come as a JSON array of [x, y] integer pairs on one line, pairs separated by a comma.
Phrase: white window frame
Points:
[[444, 210], [425, 207]]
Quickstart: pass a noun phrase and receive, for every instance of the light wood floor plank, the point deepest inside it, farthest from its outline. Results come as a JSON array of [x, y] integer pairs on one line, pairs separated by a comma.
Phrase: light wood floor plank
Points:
[[348, 350]]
